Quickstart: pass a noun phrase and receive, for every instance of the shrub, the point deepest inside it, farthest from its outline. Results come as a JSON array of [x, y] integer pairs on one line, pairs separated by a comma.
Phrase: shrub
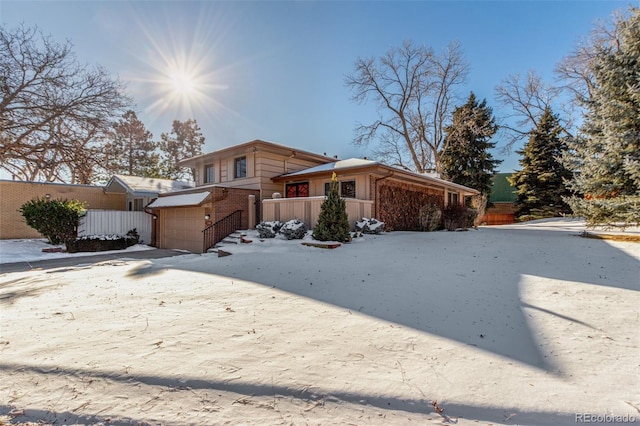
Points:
[[457, 216], [430, 217], [92, 243], [333, 222], [268, 229], [294, 230], [369, 226], [57, 220]]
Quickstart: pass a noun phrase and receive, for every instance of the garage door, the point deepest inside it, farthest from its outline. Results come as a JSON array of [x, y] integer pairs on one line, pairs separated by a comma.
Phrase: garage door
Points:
[[181, 228]]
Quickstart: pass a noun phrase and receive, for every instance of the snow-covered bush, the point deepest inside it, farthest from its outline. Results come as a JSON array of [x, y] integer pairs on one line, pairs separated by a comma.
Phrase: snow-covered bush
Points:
[[91, 243], [369, 226], [268, 229], [430, 216], [294, 230]]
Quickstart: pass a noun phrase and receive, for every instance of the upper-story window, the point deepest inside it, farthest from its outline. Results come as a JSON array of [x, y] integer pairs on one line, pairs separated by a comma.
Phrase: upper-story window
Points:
[[347, 188], [208, 174], [240, 167]]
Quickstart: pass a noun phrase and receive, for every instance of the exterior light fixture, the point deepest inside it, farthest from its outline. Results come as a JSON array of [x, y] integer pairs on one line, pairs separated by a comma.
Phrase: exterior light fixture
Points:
[[154, 217], [207, 216], [47, 196]]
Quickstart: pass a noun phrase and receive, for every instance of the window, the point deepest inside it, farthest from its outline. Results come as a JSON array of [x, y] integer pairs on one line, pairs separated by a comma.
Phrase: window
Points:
[[208, 174], [347, 189], [240, 167], [137, 204], [453, 198], [294, 190]]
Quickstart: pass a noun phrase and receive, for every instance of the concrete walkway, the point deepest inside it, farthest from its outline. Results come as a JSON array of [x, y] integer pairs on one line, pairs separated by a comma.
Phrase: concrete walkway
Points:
[[83, 260]]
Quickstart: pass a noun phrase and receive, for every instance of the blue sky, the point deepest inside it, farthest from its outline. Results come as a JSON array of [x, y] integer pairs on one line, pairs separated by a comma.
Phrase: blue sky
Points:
[[274, 70]]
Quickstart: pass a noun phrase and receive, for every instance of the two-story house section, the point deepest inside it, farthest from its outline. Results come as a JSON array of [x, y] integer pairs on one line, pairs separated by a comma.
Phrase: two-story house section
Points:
[[252, 165]]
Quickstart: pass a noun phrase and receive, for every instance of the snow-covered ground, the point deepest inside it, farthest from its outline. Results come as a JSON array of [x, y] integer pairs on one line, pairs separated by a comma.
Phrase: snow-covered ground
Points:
[[30, 250], [520, 324]]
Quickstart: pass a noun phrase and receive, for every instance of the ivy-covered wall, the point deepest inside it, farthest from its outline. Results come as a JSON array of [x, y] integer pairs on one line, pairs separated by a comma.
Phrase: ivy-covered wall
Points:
[[398, 204]]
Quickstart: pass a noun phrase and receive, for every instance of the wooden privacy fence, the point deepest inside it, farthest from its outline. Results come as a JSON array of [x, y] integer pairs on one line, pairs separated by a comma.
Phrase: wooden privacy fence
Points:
[[109, 222], [307, 209]]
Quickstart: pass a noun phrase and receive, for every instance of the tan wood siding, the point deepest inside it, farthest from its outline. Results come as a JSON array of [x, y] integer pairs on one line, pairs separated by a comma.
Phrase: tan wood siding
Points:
[[181, 228]]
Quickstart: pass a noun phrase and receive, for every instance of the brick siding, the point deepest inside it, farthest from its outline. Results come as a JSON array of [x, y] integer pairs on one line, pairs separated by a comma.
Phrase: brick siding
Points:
[[13, 194]]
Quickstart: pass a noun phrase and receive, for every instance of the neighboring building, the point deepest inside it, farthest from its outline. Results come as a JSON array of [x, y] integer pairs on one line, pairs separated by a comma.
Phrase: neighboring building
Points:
[[13, 194], [501, 201], [121, 193], [140, 191], [290, 183]]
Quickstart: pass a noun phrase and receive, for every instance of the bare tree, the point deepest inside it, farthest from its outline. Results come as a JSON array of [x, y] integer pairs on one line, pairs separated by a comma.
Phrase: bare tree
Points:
[[414, 91], [527, 99], [53, 110], [576, 70]]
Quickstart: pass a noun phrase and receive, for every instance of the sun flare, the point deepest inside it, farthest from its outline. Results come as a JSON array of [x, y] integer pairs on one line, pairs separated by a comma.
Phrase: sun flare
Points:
[[182, 83]]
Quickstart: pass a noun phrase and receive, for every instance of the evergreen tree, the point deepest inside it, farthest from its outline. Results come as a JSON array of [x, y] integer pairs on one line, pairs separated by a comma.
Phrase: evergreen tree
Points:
[[333, 222], [467, 160], [131, 150], [606, 158], [541, 184], [184, 141]]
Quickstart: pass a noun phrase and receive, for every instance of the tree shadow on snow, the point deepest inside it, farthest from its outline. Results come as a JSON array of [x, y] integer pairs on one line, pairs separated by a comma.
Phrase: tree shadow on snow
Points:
[[464, 286], [505, 415]]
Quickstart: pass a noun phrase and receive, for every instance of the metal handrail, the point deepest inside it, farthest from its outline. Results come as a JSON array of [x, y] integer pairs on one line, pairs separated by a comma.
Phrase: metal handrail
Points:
[[219, 230]]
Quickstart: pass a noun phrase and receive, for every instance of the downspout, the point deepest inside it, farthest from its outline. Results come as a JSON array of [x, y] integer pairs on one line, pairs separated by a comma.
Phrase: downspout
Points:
[[154, 224]]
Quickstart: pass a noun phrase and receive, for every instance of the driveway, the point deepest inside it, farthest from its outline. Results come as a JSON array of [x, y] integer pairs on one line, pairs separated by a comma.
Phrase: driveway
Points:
[[92, 259]]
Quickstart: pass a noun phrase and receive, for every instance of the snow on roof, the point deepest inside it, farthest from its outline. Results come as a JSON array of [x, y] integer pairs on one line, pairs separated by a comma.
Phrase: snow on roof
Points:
[[337, 165], [152, 185], [182, 200]]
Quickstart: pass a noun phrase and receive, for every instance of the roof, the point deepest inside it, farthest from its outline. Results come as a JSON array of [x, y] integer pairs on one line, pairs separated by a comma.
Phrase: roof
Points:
[[357, 163], [501, 190], [257, 144], [336, 165], [141, 185], [183, 200]]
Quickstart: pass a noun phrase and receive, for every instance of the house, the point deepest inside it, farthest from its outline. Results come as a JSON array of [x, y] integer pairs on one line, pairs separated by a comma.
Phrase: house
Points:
[[501, 201], [139, 191], [260, 180]]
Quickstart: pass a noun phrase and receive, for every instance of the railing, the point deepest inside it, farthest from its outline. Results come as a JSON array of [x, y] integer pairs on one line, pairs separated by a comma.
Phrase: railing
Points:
[[219, 230]]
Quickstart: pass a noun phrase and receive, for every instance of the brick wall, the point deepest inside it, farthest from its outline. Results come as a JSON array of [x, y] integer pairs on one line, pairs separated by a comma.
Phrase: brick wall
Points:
[[228, 200], [14, 194]]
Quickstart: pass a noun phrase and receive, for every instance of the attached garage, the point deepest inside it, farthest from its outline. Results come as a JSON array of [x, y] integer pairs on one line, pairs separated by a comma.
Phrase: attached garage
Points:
[[177, 228], [180, 220], [196, 219]]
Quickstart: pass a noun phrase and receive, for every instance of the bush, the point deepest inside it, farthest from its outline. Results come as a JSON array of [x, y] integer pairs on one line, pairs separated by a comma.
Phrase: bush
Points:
[[94, 243], [294, 230], [369, 226], [57, 220], [430, 217], [456, 216], [333, 222], [268, 229]]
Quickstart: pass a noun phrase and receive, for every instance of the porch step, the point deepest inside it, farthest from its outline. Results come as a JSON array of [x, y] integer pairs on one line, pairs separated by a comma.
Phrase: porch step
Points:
[[233, 238]]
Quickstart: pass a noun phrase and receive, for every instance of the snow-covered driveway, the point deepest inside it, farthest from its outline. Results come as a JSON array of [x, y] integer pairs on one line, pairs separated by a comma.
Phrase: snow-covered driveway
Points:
[[519, 325]]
